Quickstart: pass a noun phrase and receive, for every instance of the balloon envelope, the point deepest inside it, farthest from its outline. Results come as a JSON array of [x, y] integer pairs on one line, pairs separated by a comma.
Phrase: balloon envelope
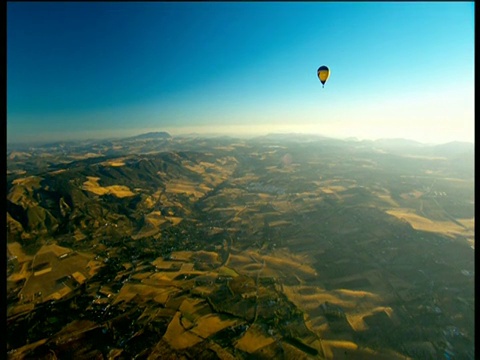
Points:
[[323, 73]]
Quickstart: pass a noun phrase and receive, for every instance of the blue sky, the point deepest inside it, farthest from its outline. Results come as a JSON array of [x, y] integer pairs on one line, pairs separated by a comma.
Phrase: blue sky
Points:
[[92, 69]]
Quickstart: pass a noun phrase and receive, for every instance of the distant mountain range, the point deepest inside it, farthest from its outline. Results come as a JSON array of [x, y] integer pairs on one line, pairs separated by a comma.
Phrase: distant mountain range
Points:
[[454, 148], [392, 144], [151, 135], [411, 147]]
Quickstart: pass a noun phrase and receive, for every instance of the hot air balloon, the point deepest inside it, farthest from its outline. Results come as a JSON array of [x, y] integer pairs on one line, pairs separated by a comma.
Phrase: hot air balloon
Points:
[[323, 73]]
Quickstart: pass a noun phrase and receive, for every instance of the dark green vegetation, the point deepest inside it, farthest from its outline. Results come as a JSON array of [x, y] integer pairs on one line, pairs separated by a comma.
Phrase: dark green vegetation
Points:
[[274, 247]]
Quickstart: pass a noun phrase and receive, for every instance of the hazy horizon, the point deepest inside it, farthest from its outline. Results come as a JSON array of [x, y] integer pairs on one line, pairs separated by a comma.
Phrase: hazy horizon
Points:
[[97, 70], [209, 132], [234, 131]]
